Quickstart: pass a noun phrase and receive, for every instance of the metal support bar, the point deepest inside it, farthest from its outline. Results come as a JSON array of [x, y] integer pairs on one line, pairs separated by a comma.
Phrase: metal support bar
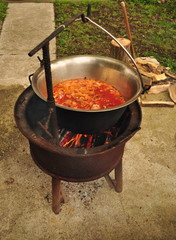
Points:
[[58, 196], [109, 181], [116, 183], [50, 98], [53, 34], [118, 177]]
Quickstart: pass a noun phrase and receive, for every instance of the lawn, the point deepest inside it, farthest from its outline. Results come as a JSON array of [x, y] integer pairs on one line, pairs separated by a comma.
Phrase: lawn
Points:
[[3, 9], [153, 28]]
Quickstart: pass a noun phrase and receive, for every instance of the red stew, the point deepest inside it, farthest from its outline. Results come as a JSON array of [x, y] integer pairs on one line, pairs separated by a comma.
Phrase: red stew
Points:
[[87, 94]]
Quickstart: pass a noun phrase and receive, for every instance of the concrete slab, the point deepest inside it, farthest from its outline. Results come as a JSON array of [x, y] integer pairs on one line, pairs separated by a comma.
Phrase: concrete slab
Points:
[[17, 68], [20, 34]]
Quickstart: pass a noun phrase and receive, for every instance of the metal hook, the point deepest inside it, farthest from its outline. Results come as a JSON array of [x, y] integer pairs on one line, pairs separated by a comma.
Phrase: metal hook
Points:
[[41, 61], [84, 19], [30, 78], [89, 10]]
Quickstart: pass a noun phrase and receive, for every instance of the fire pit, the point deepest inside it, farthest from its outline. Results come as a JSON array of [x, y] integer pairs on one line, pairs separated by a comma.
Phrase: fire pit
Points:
[[71, 155], [75, 164]]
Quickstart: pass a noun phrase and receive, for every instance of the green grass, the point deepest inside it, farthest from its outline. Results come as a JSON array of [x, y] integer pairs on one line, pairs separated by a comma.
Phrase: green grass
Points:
[[81, 38], [153, 28], [3, 10]]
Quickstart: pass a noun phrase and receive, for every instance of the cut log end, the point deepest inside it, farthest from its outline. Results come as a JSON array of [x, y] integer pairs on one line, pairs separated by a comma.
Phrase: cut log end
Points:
[[124, 41], [117, 52]]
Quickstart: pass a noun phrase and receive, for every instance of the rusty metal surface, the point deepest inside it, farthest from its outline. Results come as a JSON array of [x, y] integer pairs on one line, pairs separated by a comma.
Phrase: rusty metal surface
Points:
[[29, 109], [70, 164], [76, 168]]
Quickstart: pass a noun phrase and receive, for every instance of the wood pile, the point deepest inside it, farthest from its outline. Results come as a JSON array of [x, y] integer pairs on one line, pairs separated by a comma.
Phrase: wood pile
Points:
[[159, 79], [156, 78]]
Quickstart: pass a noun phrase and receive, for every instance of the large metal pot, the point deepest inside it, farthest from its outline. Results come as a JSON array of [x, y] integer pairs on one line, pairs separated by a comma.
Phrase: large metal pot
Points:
[[105, 69]]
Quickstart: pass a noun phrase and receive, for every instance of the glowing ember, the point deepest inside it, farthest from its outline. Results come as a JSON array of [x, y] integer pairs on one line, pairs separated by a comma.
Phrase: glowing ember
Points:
[[73, 140]]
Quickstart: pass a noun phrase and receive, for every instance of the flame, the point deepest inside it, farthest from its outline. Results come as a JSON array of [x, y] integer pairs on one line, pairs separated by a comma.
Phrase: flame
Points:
[[72, 140]]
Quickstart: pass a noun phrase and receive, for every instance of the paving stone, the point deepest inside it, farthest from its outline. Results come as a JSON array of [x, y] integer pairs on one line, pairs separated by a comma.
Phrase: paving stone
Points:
[[20, 34]]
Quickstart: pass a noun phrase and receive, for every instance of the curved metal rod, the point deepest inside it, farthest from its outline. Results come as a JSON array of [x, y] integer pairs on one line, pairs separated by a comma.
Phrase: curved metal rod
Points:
[[129, 55]]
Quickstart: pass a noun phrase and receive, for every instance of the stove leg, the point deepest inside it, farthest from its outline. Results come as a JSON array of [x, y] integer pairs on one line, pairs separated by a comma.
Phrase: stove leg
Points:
[[58, 195], [116, 183], [118, 178], [110, 181]]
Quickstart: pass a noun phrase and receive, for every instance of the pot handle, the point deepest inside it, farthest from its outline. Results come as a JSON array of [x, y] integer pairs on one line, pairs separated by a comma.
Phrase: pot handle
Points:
[[129, 55], [30, 78]]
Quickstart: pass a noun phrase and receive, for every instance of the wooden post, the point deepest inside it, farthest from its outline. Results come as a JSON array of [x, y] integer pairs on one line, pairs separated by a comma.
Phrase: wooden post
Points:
[[128, 28], [117, 52]]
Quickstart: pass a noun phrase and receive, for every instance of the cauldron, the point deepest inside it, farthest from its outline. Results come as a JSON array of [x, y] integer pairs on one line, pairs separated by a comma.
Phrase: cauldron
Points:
[[106, 69]]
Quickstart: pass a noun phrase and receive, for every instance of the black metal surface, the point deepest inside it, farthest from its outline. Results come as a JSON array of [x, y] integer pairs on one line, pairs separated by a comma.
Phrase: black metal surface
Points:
[[60, 29], [47, 66], [50, 98], [76, 168], [67, 163], [53, 34], [88, 122]]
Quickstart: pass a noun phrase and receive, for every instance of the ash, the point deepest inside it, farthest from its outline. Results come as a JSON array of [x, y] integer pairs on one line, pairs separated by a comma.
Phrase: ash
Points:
[[85, 192]]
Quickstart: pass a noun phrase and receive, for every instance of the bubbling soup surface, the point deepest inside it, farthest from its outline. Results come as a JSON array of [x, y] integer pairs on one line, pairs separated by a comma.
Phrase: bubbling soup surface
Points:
[[87, 94]]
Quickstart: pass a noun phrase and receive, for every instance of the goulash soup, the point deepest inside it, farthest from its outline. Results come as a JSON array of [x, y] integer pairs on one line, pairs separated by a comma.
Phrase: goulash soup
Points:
[[87, 94]]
